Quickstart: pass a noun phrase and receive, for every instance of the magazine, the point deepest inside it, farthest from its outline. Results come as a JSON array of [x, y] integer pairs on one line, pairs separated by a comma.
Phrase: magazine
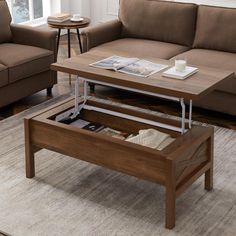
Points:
[[83, 124], [79, 123], [143, 68], [132, 66], [114, 133]]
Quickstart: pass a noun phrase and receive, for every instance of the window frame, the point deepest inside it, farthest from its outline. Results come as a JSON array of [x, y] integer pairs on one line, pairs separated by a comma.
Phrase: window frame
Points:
[[46, 12]]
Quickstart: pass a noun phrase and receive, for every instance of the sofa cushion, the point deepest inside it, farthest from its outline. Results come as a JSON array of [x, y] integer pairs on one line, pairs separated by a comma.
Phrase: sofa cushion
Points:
[[216, 29], [159, 20], [218, 101], [142, 48], [215, 59], [5, 20], [24, 61], [3, 75]]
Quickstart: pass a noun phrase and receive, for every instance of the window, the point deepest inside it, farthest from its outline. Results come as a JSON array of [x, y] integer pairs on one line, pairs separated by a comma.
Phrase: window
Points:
[[27, 10]]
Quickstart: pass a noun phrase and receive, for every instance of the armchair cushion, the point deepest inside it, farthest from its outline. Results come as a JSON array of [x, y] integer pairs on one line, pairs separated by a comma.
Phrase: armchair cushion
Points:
[[3, 75], [142, 48], [216, 29], [24, 61], [5, 21], [158, 20]]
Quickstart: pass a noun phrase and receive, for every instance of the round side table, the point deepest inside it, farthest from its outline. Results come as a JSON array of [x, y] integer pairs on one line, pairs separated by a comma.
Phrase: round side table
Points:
[[69, 25]]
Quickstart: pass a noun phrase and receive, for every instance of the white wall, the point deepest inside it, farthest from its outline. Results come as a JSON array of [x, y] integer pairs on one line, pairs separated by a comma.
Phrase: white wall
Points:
[[103, 10], [80, 6]]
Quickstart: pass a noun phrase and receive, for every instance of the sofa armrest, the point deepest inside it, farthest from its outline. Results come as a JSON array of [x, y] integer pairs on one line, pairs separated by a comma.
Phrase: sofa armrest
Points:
[[35, 37], [102, 33]]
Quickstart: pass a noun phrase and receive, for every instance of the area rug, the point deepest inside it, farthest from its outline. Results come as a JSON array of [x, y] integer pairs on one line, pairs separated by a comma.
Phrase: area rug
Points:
[[74, 198]]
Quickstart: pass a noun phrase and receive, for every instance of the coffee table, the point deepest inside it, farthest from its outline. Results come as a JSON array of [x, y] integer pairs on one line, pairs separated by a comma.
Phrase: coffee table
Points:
[[176, 167]]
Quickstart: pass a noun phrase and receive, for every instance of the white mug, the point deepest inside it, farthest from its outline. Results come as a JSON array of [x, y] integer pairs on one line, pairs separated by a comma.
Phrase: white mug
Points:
[[76, 16]]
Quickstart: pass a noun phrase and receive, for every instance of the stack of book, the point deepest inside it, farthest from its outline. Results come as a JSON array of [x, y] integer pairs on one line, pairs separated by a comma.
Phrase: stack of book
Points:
[[99, 128], [59, 18]]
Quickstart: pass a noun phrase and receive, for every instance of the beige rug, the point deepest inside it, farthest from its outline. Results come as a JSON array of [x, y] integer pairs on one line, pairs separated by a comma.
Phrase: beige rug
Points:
[[72, 198]]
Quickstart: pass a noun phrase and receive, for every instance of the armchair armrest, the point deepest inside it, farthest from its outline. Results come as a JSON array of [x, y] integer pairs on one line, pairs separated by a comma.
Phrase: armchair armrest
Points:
[[35, 37], [103, 33]]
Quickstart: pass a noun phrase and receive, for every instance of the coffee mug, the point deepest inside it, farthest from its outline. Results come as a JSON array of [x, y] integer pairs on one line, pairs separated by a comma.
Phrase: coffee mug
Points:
[[76, 16]]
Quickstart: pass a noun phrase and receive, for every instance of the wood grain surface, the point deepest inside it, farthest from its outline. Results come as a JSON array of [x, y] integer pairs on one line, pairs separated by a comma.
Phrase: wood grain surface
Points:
[[70, 24], [194, 87]]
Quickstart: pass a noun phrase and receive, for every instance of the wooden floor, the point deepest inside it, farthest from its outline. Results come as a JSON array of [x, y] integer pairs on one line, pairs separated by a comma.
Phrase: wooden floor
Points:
[[63, 87]]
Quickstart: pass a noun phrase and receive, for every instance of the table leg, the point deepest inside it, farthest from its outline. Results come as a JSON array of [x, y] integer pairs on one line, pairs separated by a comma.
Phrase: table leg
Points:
[[29, 152], [68, 35], [209, 173], [58, 39], [69, 51], [80, 44]]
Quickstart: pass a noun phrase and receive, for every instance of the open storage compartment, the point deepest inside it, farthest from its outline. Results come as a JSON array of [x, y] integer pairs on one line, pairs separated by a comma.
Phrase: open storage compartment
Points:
[[176, 167]]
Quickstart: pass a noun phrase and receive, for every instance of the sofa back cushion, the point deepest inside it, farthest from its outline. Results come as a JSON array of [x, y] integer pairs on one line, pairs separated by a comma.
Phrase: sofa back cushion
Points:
[[216, 29], [5, 20], [159, 20]]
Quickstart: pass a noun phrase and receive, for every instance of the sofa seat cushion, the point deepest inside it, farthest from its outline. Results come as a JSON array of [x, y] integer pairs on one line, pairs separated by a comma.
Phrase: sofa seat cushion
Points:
[[142, 48], [24, 61], [215, 59], [216, 29], [164, 21], [3, 75]]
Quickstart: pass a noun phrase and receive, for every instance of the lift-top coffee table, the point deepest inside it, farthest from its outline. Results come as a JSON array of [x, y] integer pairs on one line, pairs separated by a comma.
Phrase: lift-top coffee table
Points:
[[176, 167]]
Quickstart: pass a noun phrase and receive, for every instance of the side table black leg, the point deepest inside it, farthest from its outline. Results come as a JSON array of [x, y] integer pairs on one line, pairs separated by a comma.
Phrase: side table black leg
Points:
[[80, 44], [69, 51], [68, 35], [58, 39]]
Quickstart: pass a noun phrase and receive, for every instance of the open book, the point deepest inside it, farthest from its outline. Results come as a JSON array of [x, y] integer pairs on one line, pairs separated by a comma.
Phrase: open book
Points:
[[132, 66]]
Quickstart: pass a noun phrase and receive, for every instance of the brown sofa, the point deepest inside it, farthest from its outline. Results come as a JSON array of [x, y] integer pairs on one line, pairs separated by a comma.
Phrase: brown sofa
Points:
[[25, 57], [206, 35]]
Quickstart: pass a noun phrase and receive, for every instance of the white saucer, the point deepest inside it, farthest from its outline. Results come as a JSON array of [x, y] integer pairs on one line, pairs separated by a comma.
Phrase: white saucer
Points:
[[77, 20]]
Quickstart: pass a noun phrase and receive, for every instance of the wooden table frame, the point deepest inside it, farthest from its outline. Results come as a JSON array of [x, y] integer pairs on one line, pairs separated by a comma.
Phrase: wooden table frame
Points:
[[176, 167]]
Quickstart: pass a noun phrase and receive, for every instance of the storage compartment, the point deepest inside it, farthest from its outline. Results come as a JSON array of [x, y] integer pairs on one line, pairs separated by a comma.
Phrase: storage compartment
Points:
[[122, 128]]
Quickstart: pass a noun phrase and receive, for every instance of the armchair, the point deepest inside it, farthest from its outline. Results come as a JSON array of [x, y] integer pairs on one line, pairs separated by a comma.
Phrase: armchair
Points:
[[26, 54]]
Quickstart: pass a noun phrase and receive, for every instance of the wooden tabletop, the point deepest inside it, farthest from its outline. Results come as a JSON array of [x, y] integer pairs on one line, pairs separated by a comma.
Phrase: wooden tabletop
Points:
[[70, 24], [194, 87]]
